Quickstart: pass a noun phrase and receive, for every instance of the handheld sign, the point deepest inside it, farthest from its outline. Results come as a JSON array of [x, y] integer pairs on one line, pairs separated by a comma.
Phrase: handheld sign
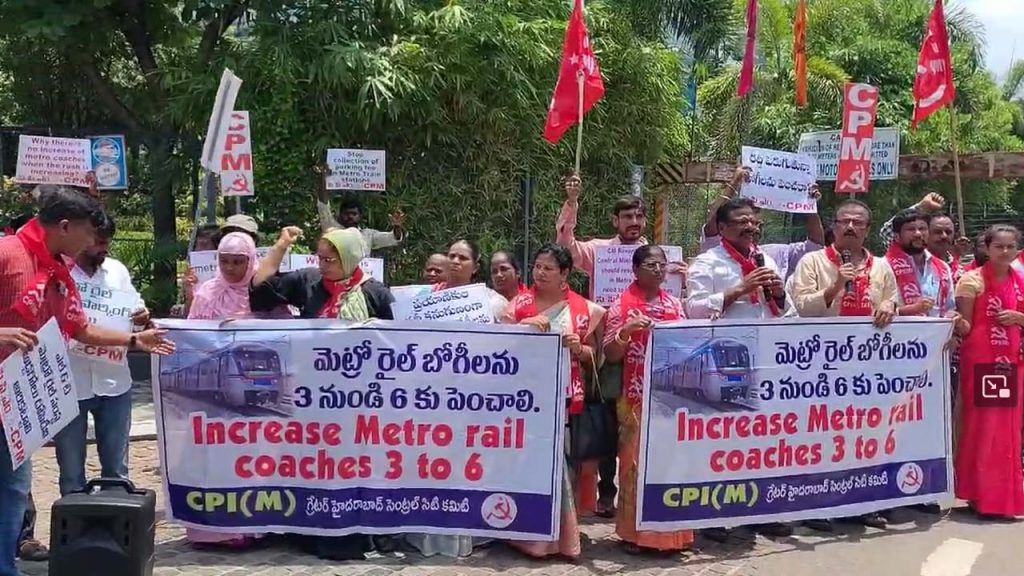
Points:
[[44, 160], [779, 181], [106, 308], [217, 129], [860, 106], [109, 162], [613, 272], [463, 304], [236, 177], [203, 263], [355, 169], [374, 267]]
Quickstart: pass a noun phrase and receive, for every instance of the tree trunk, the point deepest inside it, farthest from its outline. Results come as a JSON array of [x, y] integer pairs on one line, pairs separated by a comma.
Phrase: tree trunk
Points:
[[165, 250]]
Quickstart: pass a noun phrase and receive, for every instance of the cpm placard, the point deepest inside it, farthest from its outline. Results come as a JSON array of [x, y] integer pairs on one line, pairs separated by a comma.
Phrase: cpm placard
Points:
[[44, 160], [236, 172], [792, 419], [860, 106], [355, 169], [780, 181], [322, 427], [108, 308], [37, 394]]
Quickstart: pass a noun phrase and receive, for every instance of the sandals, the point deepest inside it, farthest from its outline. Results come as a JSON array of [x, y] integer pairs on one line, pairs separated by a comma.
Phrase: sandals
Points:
[[32, 550]]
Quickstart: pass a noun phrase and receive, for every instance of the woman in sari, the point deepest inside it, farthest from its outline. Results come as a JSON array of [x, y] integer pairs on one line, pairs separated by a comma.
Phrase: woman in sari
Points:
[[505, 275], [642, 305], [336, 289], [550, 305], [991, 303], [224, 297]]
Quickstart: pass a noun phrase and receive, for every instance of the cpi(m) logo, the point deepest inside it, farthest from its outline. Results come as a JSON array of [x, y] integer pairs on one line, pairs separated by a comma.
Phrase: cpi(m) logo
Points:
[[996, 385]]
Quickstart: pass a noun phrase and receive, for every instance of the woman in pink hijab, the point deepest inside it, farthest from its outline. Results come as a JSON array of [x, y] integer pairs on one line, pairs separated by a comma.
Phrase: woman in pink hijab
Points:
[[226, 297]]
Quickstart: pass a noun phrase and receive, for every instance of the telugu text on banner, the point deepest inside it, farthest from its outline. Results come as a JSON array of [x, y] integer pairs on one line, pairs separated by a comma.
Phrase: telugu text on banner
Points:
[[780, 181], [108, 308], [318, 427], [749, 422]]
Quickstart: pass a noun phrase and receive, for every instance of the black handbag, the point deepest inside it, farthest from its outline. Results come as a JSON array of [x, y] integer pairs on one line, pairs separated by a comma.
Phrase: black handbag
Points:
[[593, 433]]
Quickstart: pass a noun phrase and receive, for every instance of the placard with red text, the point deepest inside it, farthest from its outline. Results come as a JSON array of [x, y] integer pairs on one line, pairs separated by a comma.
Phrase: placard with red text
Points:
[[236, 176], [324, 427], [107, 308], [747, 422], [860, 106]]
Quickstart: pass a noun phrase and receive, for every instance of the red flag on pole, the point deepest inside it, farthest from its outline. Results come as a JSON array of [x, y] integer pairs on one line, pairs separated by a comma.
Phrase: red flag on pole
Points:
[[747, 71], [577, 59], [800, 52], [933, 86]]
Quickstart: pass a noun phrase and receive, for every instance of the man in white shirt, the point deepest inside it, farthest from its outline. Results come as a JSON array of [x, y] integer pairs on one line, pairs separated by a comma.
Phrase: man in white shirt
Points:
[[102, 377], [736, 280]]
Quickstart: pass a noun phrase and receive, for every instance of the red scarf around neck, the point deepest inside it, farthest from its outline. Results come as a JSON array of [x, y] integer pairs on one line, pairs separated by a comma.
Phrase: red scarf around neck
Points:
[[49, 271], [955, 269], [858, 302], [1002, 342], [903, 268], [336, 289], [525, 306], [748, 265], [632, 304]]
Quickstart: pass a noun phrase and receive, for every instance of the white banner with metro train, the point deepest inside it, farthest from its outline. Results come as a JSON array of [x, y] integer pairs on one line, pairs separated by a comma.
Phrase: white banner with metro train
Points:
[[747, 422]]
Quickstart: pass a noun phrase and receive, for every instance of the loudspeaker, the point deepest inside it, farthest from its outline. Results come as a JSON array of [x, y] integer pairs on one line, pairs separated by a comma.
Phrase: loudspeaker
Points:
[[108, 529]]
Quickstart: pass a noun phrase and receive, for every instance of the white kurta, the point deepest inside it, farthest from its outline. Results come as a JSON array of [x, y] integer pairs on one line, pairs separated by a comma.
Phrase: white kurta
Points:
[[711, 274]]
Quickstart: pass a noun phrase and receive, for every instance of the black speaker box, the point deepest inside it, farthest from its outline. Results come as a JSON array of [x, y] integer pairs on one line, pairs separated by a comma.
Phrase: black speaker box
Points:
[[108, 529]]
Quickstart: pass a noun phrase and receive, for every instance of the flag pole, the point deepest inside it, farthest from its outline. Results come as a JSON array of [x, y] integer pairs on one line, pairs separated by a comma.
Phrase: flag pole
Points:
[[956, 169], [579, 126]]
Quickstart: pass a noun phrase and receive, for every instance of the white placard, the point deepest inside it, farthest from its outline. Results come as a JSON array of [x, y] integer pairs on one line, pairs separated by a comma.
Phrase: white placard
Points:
[[236, 177], [203, 263], [217, 129], [108, 308], [353, 169], [613, 272], [374, 267], [824, 148], [470, 303], [44, 160], [37, 394], [779, 180]]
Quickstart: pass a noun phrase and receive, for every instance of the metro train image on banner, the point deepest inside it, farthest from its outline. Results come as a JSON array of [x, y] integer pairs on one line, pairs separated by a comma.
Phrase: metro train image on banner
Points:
[[237, 375], [716, 371]]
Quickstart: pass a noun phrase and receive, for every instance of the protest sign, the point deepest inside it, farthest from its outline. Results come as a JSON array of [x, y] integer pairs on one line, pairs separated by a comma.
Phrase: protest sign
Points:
[[410, 291], [37, 394], [613, 272], [318, 427], [824, 148], [470, 303], [779, 180], [107, 308], [860, 106], [217, 128], [203, 263], [788, 420], [374, 267], [236, 177], [44, 160], [109, 162], [353, 169]]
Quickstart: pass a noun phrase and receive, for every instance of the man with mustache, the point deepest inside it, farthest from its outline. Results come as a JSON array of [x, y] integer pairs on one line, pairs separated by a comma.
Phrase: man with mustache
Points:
[[924, 282], [820, 285], [942, 240], [736, 280]]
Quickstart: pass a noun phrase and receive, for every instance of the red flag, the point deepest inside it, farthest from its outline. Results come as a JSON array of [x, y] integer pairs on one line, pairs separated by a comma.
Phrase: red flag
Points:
[[747, 71], [933, 86], [800, 52], [577, 59]]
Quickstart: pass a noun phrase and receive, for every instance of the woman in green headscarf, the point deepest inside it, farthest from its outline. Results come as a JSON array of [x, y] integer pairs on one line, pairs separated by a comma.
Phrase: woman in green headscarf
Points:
[[337, 288]]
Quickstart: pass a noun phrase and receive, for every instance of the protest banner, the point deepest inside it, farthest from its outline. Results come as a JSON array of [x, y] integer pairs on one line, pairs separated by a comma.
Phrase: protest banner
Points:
[[107, 308], [44, 160], [860, 106], [353, 169], [749, 422], [326, 428], [470, 303], [203, 263], [217, 128], [236, 176], [37, 394], [824, 148], [779, 180], [613, 272], [109, 162], [374, 267]]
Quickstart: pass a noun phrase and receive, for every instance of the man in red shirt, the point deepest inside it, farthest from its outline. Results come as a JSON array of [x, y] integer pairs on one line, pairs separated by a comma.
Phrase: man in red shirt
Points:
[[36, 285]]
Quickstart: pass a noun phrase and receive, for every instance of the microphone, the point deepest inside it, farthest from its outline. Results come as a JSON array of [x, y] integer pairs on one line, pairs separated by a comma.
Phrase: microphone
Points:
[[759, 260], [845, 255]]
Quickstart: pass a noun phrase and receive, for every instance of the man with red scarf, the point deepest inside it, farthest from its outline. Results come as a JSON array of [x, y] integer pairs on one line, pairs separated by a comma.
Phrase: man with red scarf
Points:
[[942, 240], [924, 282], [845, 279], [36, 285], [736, 280]]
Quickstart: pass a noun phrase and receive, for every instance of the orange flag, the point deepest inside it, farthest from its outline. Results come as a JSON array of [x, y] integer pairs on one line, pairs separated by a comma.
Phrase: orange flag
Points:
[[800, 52]]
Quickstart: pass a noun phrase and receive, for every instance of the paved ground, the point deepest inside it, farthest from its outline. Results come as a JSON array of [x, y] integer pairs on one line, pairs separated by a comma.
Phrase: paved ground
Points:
[[954, 544]]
